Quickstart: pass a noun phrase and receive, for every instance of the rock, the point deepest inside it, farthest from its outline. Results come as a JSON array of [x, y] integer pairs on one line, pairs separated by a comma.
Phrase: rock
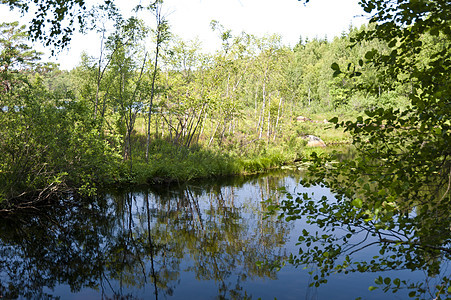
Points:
[[314, 141], [303, 119], [316, 144]]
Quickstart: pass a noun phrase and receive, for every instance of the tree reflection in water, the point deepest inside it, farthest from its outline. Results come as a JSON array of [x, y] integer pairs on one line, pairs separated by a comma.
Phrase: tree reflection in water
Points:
[[137, 244]]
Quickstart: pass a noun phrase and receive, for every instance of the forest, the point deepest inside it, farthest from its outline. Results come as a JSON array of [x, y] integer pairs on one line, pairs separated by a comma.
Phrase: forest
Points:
[[133, 117]]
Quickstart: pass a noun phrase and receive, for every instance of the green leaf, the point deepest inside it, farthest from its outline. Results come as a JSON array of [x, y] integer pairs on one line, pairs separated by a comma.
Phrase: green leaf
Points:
[[335, 66], [418, 44], [392, 43], [334, 120], [382, 192], [370, 54], [357, 203], [434, 31], [336, 73], [372, 288]]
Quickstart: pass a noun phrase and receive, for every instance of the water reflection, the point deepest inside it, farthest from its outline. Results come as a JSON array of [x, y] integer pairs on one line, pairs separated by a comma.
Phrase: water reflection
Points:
[[56, 245], [159, 243], [206, 240]]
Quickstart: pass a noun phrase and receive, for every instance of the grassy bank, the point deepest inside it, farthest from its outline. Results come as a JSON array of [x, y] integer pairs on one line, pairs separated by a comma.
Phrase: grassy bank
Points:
[[169, 162], [74, 156], [241, 154]]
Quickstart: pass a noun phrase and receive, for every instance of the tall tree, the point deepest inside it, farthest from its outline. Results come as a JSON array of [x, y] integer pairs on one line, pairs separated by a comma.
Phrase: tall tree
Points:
[[15, 55], [162, 35], [128, 62]]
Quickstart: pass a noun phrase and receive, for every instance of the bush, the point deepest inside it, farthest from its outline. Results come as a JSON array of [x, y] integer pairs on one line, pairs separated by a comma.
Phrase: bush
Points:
[[50, 146]]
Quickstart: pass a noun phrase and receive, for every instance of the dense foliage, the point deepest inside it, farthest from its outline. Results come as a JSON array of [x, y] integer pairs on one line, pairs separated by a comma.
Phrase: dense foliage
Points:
[[396, 190], [54, 22], [130, 115], [133, 115]]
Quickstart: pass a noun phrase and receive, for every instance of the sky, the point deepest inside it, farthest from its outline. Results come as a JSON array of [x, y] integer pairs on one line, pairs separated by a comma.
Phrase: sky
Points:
[[191, 18]]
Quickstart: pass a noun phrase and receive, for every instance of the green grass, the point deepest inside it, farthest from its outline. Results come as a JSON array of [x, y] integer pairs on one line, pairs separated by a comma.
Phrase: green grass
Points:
[[240, 153], [169, 162]]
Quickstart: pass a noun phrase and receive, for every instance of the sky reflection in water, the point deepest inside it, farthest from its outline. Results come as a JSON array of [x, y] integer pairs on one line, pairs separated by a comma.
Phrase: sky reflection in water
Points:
[[207, 241]]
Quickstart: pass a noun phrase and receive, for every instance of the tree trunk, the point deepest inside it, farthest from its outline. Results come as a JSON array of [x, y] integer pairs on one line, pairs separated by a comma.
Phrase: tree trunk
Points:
[[160, 21], [268, 133], [278, 117], [262, 117]]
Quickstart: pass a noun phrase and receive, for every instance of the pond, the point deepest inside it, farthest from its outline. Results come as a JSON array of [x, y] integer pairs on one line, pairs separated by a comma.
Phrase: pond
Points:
[[204, 240]]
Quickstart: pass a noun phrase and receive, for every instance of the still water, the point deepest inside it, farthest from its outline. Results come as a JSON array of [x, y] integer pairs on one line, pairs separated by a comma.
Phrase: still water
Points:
[[205, 240]]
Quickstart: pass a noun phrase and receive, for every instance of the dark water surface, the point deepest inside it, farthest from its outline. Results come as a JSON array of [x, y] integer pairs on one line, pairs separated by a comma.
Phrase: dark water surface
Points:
[[207, 240]]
